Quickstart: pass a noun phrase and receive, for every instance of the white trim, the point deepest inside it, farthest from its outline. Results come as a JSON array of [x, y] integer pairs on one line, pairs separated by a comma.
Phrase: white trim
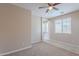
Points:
[[15, 50], [33, 42], [67, 46]]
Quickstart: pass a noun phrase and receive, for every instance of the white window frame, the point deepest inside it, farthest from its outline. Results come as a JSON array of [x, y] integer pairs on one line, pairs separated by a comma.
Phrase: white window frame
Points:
[[63, 25]]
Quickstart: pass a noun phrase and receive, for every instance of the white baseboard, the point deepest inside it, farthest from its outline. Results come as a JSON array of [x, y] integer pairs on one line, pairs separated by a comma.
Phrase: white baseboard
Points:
[[33, 42], [15, 50], [67, 46]]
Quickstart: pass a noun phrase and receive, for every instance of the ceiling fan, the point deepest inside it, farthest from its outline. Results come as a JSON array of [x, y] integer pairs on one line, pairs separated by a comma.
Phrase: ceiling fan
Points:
[[50, 7]]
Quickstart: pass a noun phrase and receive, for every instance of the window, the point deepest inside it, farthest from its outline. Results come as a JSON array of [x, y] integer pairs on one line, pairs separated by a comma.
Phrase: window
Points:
[[45, 31], [63, 26], [45, 27]]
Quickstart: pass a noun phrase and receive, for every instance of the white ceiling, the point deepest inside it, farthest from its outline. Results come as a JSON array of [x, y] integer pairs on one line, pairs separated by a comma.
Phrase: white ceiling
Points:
[[64, 7]]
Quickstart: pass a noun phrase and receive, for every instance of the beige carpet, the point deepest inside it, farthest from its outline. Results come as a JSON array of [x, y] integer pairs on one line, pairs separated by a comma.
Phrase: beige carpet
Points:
[[43, 49]]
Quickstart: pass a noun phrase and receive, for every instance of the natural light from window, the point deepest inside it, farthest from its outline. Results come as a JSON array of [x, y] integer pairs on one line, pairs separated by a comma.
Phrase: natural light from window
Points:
[[63, 25]]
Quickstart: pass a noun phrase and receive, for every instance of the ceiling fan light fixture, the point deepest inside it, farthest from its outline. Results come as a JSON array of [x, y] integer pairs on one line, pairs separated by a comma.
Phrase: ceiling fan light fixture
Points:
[[50, 7]]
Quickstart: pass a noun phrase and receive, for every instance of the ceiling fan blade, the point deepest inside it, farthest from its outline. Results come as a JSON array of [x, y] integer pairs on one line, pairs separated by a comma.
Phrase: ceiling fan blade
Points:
[[55, 8], [56, 4], [42, 7], [49, 4], [47, 10]]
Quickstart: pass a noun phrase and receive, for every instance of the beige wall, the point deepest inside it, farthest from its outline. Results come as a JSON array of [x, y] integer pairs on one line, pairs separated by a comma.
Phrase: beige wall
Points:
[[15, 28], [72, 38], [36, 29]]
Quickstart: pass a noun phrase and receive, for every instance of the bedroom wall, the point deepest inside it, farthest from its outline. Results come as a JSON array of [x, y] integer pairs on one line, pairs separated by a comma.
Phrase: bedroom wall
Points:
[[15, 28], [36, 29], [72, 38]]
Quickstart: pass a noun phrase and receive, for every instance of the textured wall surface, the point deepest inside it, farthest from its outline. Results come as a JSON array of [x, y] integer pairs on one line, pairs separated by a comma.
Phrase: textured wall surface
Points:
[[15, 28]]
